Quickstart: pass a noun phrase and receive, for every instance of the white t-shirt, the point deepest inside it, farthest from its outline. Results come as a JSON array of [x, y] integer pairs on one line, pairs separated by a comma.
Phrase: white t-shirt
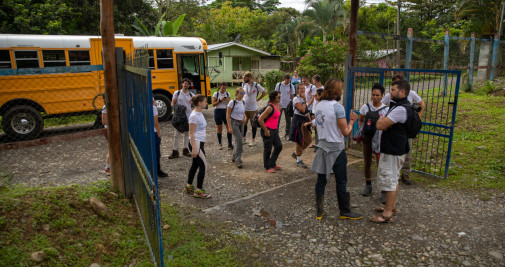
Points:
[[296, 100], [398, 114], [327, 113], [413, 98], [286, 92], [155, 113], [184, 100], [218, 95], [201, 125], [237, 112], [315, 101], [310, 90], [364, 109], [251, 95]]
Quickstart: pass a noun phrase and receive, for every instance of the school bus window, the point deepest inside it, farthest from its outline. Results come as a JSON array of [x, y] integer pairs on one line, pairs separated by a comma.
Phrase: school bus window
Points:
[[80, 57], [165, 59], [54, 58], [151, 58], [26, 59], [5, 59]]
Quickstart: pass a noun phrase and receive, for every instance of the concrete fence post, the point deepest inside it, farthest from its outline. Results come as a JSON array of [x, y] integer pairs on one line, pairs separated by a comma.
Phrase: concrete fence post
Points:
[[496, 45], [408, 55], [446, 58], [472, 55]]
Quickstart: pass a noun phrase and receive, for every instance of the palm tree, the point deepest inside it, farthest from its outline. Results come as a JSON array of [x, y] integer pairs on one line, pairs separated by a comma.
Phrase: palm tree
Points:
[[484, 15], [293, 32], [327, 15]]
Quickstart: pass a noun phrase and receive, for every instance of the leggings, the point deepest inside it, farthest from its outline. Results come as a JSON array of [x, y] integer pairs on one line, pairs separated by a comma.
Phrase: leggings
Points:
[[340, 171], [200, 162]]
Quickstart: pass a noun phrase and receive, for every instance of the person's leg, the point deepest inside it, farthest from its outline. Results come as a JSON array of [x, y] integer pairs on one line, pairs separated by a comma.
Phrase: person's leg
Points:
[[387, 176], [367, 161], [237, 128], [219, 134], [277, 143], [177, 136], [344, 197], [192, 169], [228, 137], [267, 149], [288, 123], [202, 165], [320, 186], [253, 129], [406, 165], [185, 142], [157, 141]]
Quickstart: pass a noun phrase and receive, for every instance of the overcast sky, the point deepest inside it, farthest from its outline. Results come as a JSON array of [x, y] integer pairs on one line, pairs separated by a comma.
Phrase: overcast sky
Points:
[[300, 4]]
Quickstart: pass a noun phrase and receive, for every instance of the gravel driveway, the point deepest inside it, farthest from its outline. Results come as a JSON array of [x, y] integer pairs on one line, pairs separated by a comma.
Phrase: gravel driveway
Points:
[[433, 227]]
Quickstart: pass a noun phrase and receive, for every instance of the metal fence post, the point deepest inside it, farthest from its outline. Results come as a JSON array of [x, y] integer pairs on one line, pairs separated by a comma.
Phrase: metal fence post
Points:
[[347, 92], [446, 58], [472, 55], [495, 55], [408, 55]]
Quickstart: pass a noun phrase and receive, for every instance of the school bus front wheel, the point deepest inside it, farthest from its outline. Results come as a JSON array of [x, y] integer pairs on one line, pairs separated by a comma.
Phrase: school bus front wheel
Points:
[[22, 122]]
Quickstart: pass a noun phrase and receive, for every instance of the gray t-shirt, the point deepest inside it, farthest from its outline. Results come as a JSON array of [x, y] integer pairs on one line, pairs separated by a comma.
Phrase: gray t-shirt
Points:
[[286, 91], [184, 100], [237, 112], [218, 95]]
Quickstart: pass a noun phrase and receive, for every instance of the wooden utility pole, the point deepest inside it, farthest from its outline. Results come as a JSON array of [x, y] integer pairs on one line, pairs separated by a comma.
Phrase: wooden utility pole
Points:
[[353, 28], [111, 92]]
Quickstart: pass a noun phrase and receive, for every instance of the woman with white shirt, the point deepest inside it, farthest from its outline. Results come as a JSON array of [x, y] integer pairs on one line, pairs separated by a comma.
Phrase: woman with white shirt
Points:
[[332, 127], [197, 134], [236, 121]]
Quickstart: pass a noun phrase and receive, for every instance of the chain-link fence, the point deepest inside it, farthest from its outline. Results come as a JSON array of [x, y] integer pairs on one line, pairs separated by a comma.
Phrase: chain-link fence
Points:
[[36, 102], [473, 56]]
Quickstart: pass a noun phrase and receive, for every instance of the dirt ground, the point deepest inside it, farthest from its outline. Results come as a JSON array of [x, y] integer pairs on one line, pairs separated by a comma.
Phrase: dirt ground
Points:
[[433, 227]]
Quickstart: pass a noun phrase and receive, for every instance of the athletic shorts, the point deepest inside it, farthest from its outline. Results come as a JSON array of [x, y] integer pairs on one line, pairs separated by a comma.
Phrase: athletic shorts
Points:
[[388, 172], [250, 114], [220, 116]]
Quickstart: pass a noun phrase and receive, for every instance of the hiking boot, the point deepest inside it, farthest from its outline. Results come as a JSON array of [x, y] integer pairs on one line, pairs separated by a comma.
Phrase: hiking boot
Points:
[[344, 203], [220, 147], [239, 165], [230, 147], [301, 164], [293, 155], [190, 189], [200, 193], [319, 207], [383, 197], [162, 174], [405, 179], [252, 144], [367, 190], [186, 152], [175, 154]]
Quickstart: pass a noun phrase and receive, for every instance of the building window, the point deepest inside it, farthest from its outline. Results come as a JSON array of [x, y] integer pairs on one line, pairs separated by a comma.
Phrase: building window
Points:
[[255, 64], [5, 59], [78, 57], [26, 59], [165, 59], [54, 58]]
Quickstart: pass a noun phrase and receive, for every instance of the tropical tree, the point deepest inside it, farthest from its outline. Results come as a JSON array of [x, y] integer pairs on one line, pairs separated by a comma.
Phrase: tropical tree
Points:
[[163, 28], [483, 15], [327, 15]]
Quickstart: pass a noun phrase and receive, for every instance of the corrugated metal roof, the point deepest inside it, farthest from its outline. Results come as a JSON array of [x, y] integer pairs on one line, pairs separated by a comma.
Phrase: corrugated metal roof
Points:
[[214, 47]]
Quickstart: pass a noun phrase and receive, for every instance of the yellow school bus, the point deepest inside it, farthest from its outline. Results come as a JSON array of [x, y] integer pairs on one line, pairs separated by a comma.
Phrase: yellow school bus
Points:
[[44, 76]]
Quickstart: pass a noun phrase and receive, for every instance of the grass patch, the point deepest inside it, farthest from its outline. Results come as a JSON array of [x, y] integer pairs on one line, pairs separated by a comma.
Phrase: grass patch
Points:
[[60, 222], [62, 121], [478, 151]]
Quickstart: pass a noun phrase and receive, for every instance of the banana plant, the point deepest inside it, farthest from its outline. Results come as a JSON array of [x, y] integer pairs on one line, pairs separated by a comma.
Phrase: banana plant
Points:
[[163, 28]]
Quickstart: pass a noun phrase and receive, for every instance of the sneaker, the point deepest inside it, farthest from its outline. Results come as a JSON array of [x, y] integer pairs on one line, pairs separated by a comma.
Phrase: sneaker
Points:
[[161, 173], [107, 171], [252, 144], [175, 154], [293, 155], [286, 137], [405, 179], [239, 165], [383, 197], [233, 160], [200, 193], [230, 147], [220, 147], [367, 190], [301, 164], [278, 167], [186, 152], [272, 170], [190, 189]]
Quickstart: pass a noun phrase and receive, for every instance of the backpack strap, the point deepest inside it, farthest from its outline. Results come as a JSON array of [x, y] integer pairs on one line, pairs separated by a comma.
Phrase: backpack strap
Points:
[[278, 87], [176, 95], [369, 109]]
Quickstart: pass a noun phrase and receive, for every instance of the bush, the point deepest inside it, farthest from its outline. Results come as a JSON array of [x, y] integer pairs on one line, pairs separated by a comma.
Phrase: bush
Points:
[[326, 59], [272, 77]]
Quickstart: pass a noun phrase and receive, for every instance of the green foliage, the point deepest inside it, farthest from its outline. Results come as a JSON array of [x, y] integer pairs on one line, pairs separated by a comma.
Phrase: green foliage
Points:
[[324, 58], [272, 77], [163, 28], [488, 88]]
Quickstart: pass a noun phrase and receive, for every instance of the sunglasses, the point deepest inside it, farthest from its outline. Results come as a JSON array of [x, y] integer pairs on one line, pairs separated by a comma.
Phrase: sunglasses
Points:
[[241, 93]]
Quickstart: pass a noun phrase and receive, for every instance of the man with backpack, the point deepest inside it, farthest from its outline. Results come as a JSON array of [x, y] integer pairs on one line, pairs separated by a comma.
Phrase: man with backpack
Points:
[[252, 91], [369, 115], [397, 128], [182, 98], [414, 99], [287, 91]]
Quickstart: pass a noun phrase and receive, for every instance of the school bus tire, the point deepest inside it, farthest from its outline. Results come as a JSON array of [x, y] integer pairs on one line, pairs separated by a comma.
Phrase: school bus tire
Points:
[[164, 105], [22, 122]]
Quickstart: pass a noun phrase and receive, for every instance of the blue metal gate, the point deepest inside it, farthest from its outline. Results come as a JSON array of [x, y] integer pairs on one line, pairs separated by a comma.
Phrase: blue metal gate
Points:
[[431, 150], [140, 168]]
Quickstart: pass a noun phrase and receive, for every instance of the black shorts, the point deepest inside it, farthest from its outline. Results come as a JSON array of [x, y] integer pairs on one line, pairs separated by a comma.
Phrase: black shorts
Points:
[[220, 116]]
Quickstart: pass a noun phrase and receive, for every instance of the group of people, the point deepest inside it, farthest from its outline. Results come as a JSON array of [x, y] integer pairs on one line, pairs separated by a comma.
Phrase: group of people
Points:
[[314, 108]]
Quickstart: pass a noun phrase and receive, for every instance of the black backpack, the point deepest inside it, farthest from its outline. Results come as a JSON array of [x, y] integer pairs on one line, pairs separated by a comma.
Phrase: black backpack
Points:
[[290, 112], [413, 123], [255, 120], [370, 122]]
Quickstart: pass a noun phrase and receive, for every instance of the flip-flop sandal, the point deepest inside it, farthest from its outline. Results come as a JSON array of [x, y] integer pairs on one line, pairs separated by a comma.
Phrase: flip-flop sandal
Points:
[[381, 209], [385, 219]]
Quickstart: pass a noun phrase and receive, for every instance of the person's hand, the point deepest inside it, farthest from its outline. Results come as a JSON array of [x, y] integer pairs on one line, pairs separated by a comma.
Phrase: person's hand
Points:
[[229, 130], [159, 134], [193, 154], [307, 124], [267, 133], [353, 116]]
